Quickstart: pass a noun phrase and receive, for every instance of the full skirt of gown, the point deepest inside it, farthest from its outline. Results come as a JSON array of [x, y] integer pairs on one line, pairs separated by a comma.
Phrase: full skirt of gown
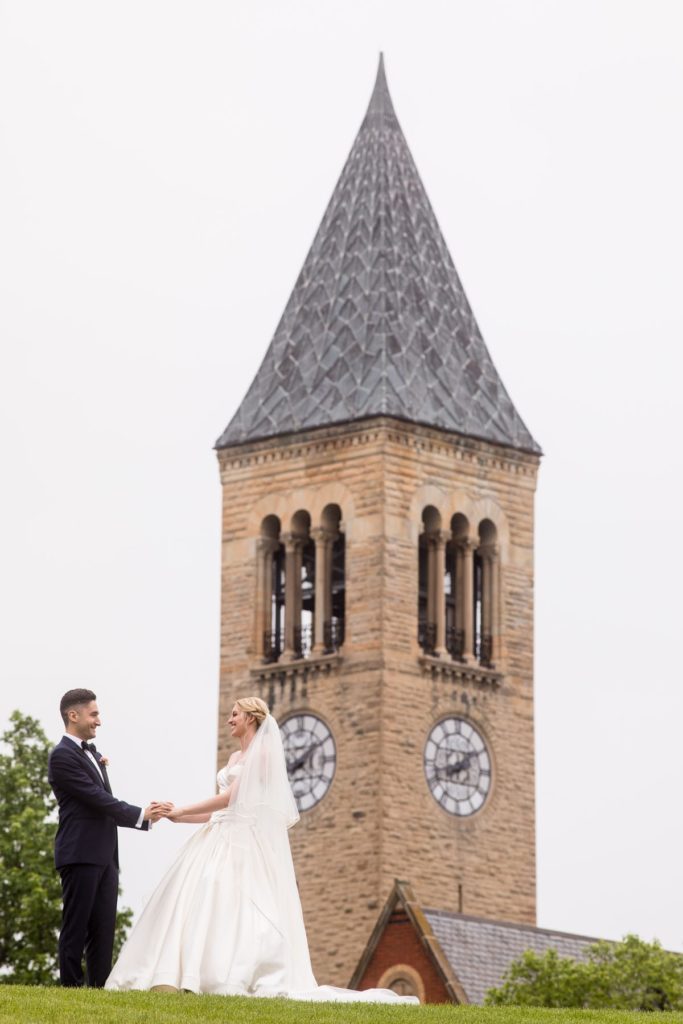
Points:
[[226, 919]]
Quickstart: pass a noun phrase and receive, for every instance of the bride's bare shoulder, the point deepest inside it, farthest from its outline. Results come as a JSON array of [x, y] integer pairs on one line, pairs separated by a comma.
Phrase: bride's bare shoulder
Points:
[[233, 757]]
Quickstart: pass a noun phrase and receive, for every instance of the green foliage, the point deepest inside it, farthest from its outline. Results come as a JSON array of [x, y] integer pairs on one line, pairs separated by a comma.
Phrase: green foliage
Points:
[[30, 890], [30, 893], [636, 975], [124, 920], [627, 975], [533, 980]]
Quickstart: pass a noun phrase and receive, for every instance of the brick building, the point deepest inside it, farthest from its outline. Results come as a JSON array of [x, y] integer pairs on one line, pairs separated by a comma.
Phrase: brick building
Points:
[[377, 569]]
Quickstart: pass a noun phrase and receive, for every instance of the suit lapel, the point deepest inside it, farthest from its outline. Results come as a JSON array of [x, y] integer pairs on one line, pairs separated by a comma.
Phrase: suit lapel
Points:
[[83, 758], [103, 769]]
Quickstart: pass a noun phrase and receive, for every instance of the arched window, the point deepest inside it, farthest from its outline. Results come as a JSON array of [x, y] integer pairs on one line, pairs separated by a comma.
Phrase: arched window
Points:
[[271, 597], [299, 586], [403, 979], [430, 583], [330, 543], [334, 632], [455, 587], [486, 593], [478, 602], [305, 637], [277, 618], [425, 630]]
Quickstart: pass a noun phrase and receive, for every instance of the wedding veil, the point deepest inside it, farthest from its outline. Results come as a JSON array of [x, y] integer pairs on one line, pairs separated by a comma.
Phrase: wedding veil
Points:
[[263, 784]]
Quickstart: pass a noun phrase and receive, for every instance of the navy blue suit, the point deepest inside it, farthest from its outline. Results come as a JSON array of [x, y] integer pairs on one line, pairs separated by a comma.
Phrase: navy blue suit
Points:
[[86, 856]]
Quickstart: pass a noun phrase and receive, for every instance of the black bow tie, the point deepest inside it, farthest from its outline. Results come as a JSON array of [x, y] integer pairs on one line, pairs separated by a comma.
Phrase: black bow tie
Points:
[[88, 746]]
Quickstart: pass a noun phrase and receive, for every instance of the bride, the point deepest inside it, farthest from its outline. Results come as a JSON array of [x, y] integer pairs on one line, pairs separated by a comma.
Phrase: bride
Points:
[[226, 918]]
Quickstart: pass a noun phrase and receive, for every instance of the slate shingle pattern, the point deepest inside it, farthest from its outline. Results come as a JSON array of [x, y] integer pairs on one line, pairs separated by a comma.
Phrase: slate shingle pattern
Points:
[[481, 951], [378, 323]]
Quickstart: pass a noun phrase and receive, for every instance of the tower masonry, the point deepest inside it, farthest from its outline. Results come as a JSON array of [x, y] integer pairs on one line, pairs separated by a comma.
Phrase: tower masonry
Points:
[[377, 569]]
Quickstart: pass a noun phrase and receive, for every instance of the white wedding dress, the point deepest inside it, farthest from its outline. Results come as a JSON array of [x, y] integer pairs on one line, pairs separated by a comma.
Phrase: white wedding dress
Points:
[[226, 918]]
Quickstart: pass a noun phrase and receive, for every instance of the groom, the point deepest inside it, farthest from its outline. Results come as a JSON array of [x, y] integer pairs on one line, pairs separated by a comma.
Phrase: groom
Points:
[[86, 847]]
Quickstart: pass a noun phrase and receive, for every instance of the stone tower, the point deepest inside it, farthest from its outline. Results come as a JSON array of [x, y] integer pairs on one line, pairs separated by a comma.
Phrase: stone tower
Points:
[[377, 577]]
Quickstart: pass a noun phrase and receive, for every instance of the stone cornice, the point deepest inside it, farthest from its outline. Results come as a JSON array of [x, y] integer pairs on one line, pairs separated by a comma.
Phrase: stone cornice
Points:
[[458, 672], [378, 431], [286, 671]]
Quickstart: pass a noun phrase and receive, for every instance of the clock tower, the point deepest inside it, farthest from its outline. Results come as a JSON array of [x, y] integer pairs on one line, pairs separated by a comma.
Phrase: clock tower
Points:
[[377, 569]]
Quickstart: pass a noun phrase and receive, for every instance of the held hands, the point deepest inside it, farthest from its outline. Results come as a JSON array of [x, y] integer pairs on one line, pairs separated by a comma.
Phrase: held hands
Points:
[[195, 814], [165, 809], [158, 809]]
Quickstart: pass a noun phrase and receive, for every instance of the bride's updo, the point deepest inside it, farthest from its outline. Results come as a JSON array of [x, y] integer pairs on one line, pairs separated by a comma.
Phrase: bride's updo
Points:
[[254, 706]]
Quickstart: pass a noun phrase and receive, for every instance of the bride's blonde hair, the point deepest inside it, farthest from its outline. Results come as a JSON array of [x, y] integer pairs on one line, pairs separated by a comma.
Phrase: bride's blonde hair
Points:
[[254, 706]]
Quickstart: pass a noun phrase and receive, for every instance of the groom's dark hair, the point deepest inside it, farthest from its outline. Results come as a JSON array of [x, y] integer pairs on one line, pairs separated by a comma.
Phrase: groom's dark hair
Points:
[[71, 699]]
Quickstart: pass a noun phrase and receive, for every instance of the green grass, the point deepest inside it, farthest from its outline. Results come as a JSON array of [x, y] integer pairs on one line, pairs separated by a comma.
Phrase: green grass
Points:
[[23, 1005]]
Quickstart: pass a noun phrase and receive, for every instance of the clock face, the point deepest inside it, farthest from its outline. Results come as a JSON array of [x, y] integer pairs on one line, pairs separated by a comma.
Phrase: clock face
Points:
[[457, 766], [311, 757]]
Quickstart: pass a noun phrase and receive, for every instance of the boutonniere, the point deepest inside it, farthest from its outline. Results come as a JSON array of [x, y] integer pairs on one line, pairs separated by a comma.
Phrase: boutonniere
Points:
[[104, 761]]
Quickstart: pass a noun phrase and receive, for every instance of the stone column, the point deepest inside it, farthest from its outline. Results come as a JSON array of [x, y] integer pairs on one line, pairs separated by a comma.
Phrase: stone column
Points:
[[265, 548], [467, 549], [439, 540], [459, 584], [323, 585], [489, 598], [293, 544], [495, 605], [431, 576]]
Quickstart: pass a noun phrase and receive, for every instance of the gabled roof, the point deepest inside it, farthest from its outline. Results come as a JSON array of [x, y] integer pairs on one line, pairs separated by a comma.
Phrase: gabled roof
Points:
[[402, 896], [378, 323], [471, 954]]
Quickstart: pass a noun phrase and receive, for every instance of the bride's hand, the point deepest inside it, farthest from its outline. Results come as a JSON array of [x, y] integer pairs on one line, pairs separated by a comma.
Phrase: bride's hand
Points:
[[163, 807], [175, 814]]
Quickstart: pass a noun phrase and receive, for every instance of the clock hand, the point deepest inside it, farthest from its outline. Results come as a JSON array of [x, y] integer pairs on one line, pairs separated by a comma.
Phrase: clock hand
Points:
[[453, 769], [294, 766]]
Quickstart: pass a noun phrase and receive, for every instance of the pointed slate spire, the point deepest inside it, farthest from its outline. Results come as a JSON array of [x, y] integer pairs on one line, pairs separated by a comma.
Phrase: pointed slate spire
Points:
[[378, 323], [380, 109]]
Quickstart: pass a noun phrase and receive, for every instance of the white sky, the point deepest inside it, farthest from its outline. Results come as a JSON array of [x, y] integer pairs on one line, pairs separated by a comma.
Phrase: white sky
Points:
[[163, 169]]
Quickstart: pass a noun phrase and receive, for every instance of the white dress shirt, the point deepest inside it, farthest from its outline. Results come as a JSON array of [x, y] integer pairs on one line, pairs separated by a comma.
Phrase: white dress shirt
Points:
[[88, 753]]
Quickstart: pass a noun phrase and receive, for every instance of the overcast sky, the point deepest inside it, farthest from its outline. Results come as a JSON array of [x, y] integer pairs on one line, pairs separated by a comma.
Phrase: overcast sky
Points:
[[163, 169]]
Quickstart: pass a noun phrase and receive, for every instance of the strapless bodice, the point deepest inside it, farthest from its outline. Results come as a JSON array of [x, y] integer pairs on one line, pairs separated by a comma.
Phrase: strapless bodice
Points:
[[227, 776]]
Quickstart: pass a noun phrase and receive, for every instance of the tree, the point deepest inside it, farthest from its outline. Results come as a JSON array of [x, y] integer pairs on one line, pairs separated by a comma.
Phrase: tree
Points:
[[30, 891], [636, 975], [629, 975], [535, 980]]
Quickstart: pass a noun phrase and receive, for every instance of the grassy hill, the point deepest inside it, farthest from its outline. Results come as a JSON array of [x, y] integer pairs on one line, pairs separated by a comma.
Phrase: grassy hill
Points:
[[20, 1005]]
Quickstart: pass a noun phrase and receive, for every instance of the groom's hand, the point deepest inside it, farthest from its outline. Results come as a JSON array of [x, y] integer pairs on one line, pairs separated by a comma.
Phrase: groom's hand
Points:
[[157, 810], [152, 813], [163, 807]]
